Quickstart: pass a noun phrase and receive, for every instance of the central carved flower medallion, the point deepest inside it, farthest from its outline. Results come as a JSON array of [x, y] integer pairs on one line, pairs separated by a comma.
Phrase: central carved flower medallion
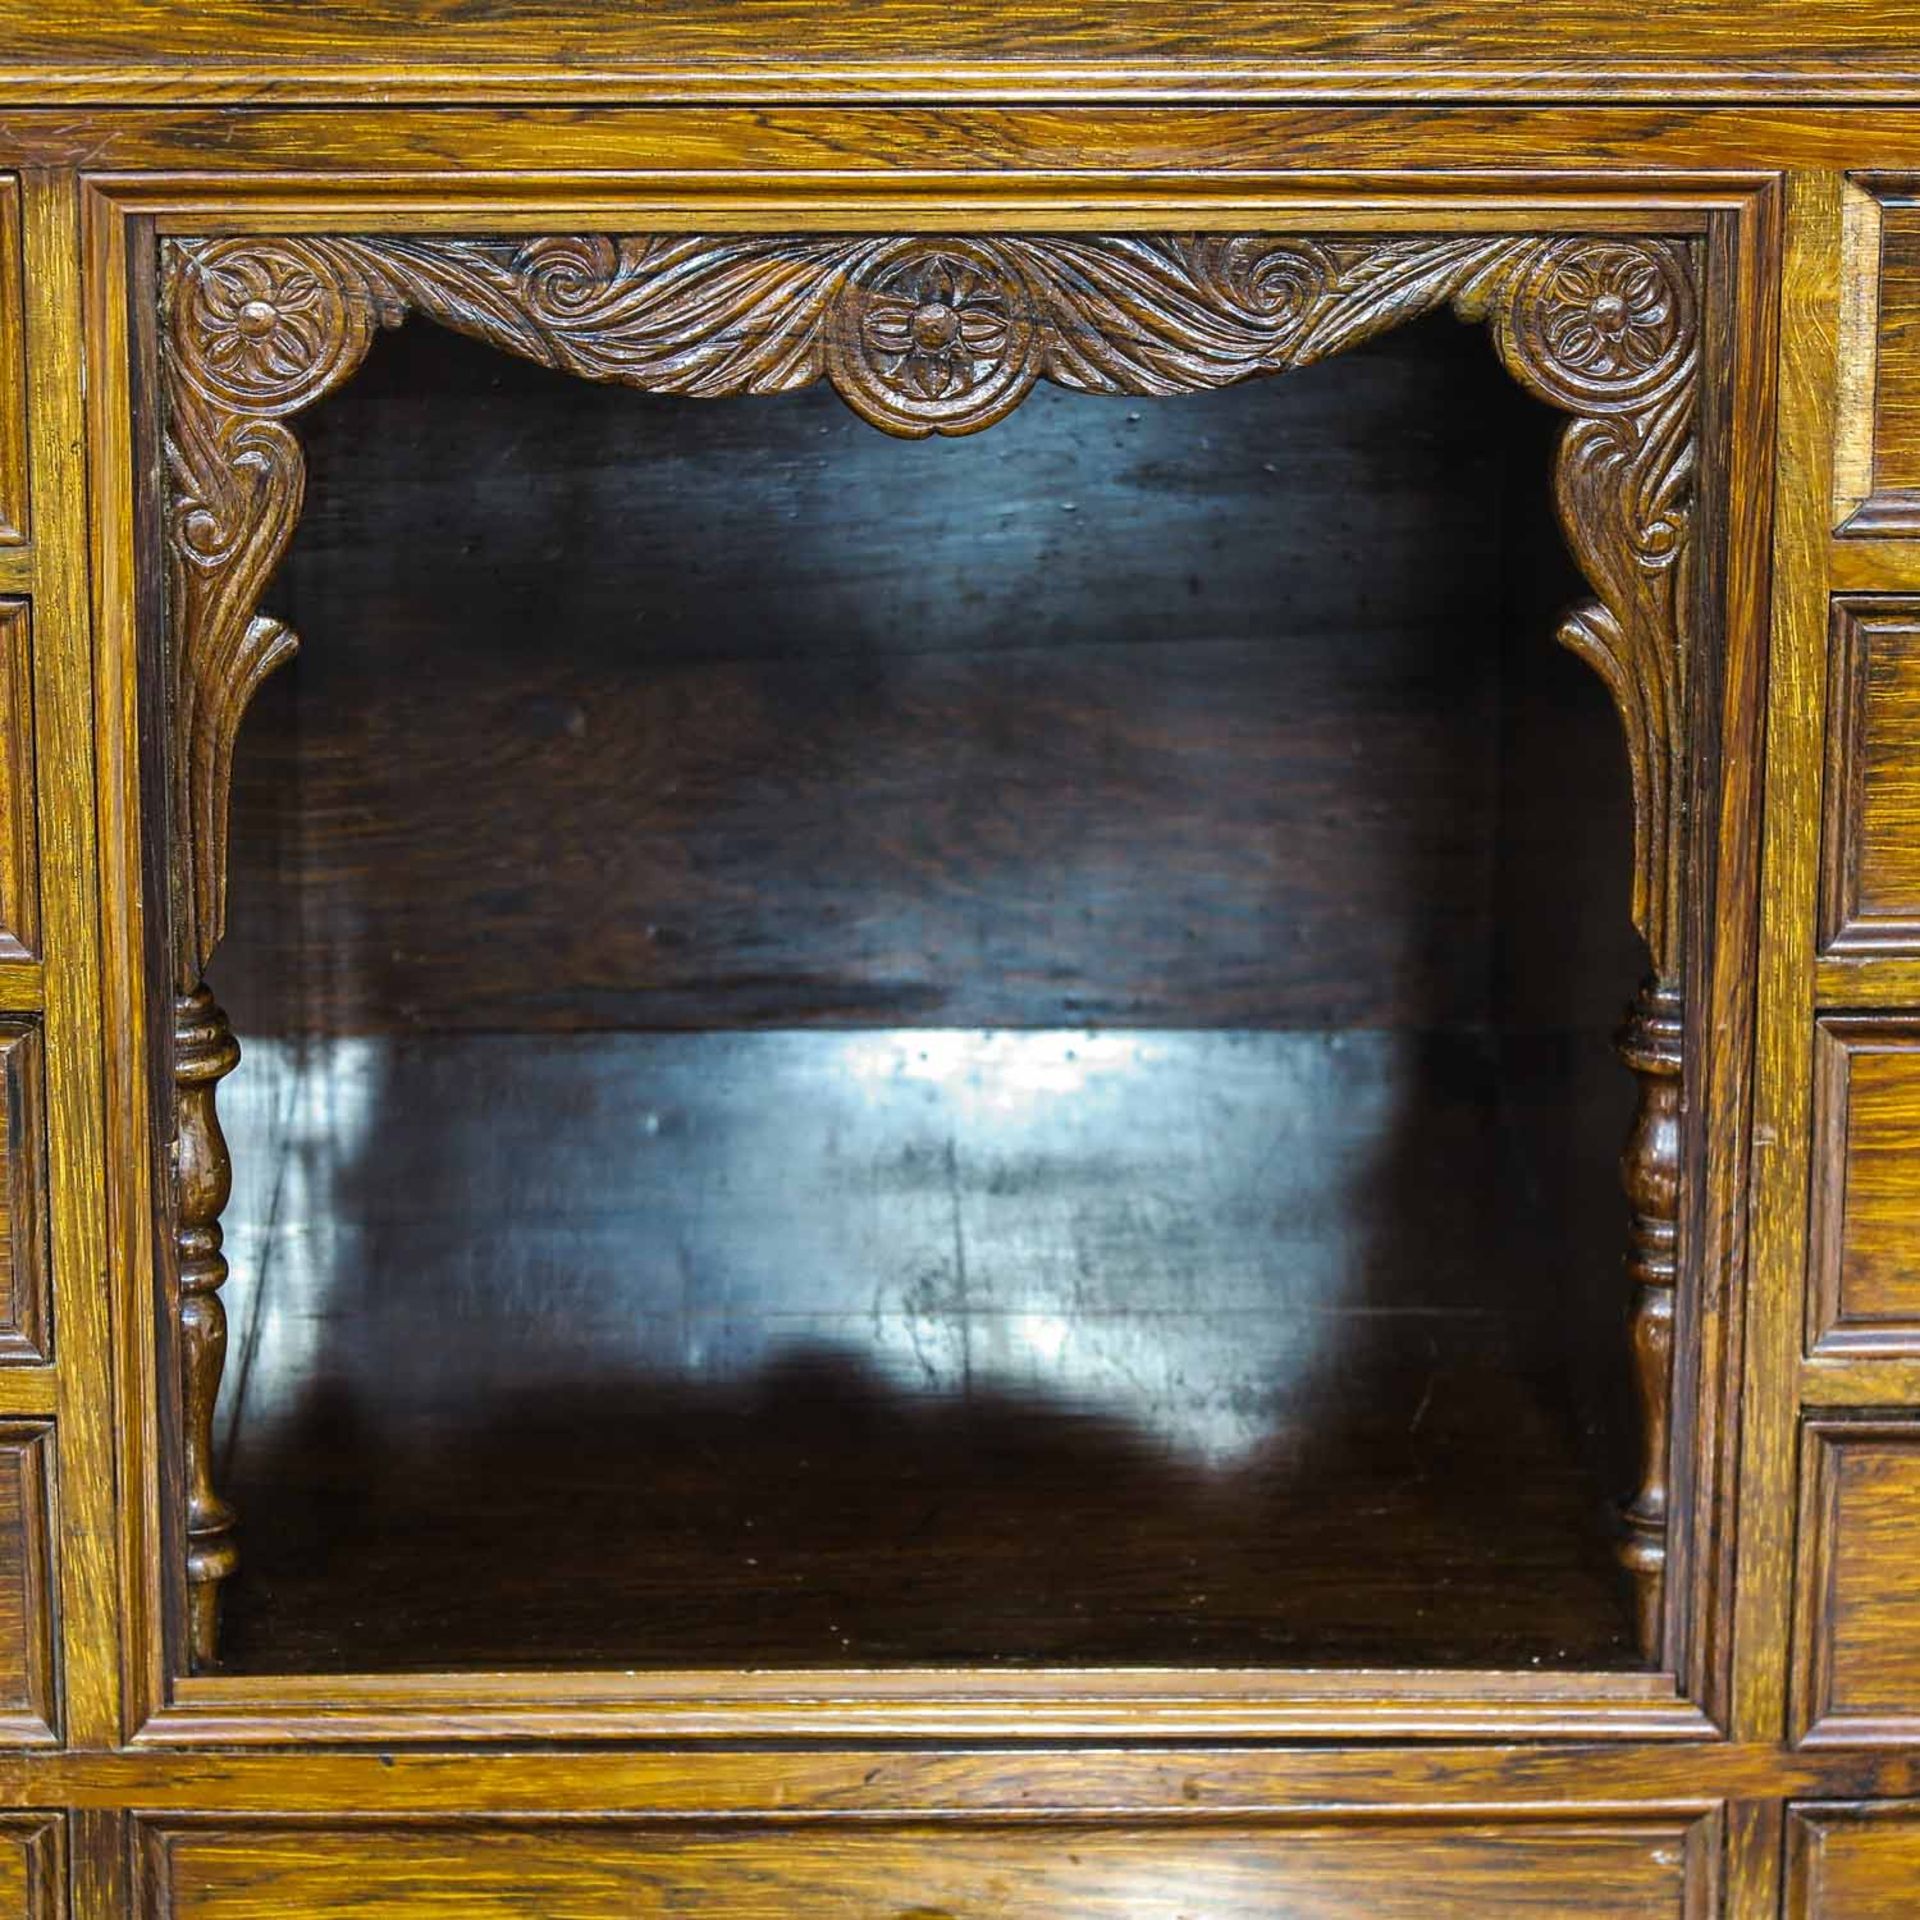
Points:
[[940, 329], [938, 339]]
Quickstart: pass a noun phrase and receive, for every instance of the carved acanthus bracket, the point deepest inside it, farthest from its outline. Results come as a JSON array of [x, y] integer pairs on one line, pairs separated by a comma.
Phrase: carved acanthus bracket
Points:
[[924, 336]]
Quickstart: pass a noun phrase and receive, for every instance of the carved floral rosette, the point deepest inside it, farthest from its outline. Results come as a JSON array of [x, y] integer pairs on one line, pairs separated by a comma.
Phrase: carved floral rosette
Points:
[[930, 335]]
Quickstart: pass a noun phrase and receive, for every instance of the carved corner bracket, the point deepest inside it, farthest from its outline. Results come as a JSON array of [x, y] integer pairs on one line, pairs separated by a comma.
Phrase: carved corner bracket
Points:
[[944, 336]]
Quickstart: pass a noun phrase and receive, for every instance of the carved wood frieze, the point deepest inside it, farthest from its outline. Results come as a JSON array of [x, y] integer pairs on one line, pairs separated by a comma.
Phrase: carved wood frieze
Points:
[[923, 336], [927, 336]]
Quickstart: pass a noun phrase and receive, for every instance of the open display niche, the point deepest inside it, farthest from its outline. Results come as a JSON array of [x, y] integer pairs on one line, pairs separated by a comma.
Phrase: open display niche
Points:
[[926, 1047]]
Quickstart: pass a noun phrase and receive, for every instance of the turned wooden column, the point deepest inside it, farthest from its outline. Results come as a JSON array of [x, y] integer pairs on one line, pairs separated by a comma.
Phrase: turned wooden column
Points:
[[204, 1053], [1649, 1043]]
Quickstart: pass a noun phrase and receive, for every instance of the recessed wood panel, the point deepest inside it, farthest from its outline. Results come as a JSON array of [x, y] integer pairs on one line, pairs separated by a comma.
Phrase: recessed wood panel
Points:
[[13, 371], [26, 1587], [1857, 1610], [1570, 1870], [25, 1318], [32, 1866], [1865, 1292], [19, 876], [1877, 463], [1853, 1862], [1871, 856]]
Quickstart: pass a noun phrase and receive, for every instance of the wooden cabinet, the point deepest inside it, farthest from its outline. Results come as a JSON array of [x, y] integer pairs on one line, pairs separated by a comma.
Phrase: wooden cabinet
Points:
[[959, 960]]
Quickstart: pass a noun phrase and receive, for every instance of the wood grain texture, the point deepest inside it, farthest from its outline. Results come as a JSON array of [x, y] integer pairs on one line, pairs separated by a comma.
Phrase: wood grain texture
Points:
[[1871, 852], [1563, 1869], [1763, 1383], [996, 168], [32, 1867], [938, 1348], [1857, 1610], [19, 835], [66, 729], [91, 49], [794, 756], [1858, 1862], [25, 1297], [13, 371], [28, 1683], [1892, 356], [1864, 1292]]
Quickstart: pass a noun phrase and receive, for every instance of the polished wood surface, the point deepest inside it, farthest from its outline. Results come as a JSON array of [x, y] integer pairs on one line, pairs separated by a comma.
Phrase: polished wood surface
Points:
[[1748, 133], [33, 1867], [1871, 877], [1852, 1863], [1567, 1869], [1893, 503], [1586, 48], [875, 781], [1858, 1675], [13, 386], [19, 859], [28, 1686], [1865, 1284], [203, 1054], [24, 1302], [1026, 1377]]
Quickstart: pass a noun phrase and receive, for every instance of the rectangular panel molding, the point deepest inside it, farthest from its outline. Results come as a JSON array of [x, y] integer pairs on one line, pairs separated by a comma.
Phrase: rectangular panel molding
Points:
[[13, 371], [27, 1637], [1877, 460], [19, 857], [1569, 1869], [1864, 1295], [1870, 859], [32, 1866], [1847, 1862], [1857, 1603]]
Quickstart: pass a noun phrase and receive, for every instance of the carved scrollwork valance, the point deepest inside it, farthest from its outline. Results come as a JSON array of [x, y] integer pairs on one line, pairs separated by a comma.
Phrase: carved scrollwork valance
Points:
[[924, 336]]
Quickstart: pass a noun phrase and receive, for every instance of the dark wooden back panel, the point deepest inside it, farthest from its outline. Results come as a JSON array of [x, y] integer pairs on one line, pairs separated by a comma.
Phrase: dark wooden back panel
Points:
[[617, 711]]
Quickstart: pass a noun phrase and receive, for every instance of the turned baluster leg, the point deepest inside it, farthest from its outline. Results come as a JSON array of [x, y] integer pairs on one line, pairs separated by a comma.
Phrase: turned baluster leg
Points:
[[204, 1053], [1649, 1043]]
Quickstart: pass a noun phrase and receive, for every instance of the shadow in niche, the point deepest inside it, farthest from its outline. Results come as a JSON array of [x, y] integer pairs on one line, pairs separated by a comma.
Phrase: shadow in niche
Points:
[[1282, 1326]]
